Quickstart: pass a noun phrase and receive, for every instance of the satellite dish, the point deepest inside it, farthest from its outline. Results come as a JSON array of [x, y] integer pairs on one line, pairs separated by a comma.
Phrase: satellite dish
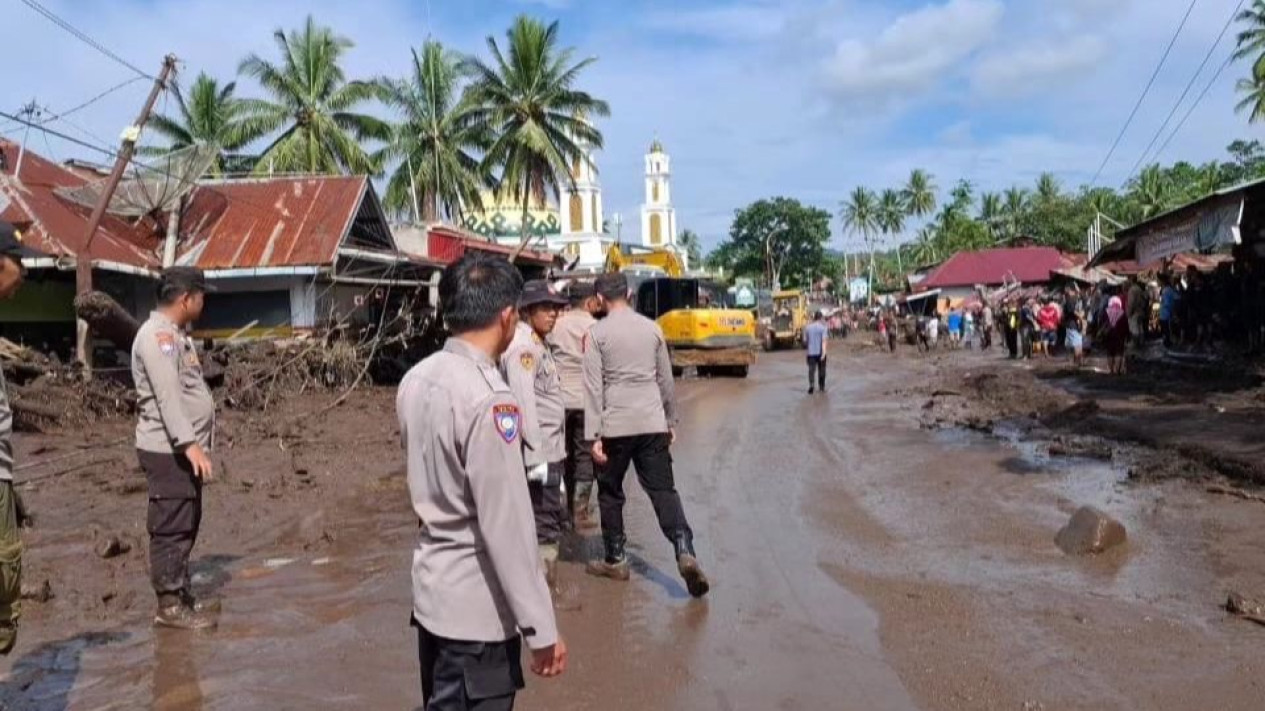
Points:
[[145, 189]]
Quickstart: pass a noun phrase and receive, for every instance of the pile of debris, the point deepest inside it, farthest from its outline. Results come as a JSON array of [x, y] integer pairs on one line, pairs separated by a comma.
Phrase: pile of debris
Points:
[[46, 394]]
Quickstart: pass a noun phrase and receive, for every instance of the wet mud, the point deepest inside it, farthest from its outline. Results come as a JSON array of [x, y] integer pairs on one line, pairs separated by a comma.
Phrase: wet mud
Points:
[[860, 561]]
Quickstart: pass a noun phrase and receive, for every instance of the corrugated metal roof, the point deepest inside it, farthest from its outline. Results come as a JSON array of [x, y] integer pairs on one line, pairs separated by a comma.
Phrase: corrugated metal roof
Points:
[[996, 266], [56, 226], [270, 222]]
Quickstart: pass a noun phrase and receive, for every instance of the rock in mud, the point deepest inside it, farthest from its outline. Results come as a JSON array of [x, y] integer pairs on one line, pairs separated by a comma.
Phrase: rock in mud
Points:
[[1245, 607], [38, 592], [111, 547], [1090, 532]]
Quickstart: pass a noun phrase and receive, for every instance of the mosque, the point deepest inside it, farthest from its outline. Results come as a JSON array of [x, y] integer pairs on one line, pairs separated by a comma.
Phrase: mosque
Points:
[[582, 231]]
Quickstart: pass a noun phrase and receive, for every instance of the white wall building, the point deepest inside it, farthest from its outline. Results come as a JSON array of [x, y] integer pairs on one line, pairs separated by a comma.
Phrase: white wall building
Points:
[[582, 215], [658, 217]]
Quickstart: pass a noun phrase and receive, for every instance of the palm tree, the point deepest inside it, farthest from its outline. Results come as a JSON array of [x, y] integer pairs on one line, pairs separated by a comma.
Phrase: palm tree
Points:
[[860, 216], [689, 241], [311, 104], [991, 213], [1251, 41], [1015, 211], [436, 142], [527, 97], [920, 194], [1151, 191], [1210, 180], [890, 216], [1254, 100], [925, 246], [208, 115], [1048, 189]]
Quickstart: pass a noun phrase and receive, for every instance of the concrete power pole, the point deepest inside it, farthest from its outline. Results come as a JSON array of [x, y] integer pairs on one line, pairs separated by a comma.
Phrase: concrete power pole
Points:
[[83, 262]]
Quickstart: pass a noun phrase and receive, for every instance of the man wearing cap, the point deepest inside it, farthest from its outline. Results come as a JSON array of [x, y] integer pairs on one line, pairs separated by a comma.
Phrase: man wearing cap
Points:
[[173, 440], [570, 339], [630, 416], [11, 274], [478, 588], [532, 374]]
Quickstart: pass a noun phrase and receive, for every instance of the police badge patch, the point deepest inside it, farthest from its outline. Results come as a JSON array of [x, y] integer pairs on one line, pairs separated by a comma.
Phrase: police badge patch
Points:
[[166, 343], [528, 361], [506, 419]]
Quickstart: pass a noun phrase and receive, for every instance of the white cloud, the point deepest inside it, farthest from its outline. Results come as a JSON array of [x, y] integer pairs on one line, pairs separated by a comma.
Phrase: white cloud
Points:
[[914, 52], [1032, 67], [729, 23]]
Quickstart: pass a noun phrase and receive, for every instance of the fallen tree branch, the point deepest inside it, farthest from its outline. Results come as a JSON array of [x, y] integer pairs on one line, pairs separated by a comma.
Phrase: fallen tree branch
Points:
[[1232, 491]]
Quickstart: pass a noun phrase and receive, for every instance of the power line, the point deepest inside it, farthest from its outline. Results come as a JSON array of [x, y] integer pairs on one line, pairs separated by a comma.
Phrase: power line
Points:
[[1189, 85], [1191, 110], [1147, 90], [82, 37], [94, 99]]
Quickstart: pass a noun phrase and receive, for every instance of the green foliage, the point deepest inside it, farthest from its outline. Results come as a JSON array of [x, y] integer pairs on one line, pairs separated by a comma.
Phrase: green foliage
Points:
[[779, 239], [208, 115], [693, 246]]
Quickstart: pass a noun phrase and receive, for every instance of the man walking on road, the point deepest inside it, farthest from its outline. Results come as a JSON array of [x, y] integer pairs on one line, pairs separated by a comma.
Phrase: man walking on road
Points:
[[11, 273], [174, 435], [570, 338], [529, 369], [816, 336], [478, 587], [630, 416]]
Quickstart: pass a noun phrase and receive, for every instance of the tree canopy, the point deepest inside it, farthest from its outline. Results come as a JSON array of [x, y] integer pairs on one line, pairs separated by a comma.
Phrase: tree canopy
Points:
[[779, 238]]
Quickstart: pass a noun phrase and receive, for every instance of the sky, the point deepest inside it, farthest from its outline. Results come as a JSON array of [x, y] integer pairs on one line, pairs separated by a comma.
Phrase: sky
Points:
[[752, 98]]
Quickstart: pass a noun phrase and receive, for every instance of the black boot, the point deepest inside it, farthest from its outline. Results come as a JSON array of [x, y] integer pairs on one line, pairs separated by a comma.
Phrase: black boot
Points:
[[615, 565], [687, 564]]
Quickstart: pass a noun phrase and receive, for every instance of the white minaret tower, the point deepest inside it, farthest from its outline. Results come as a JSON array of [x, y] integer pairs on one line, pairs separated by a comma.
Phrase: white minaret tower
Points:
[[658, 218], [581, 210]]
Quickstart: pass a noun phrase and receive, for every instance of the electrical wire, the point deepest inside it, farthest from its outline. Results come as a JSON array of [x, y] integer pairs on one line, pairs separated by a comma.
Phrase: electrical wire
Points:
[[1189, 85], [94, 99], [1191, 110], [82, 37], [1147, 90]]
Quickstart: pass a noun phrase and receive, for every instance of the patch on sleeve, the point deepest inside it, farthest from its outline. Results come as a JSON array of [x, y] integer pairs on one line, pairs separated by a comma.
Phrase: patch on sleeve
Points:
[[166, 343], [528, 361], [506, 419]]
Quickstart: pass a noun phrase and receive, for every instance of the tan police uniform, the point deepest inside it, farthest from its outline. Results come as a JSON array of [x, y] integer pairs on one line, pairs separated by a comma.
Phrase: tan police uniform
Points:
[[10, 540], [532, 374], [630, 405], [176, 410], [570, 339], [477, 579]]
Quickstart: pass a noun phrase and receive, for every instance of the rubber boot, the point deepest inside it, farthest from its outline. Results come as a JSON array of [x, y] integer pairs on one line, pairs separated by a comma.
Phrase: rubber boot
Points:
[[615, 564], [583, 509], [687, 563], [565, 599], [174, 613]]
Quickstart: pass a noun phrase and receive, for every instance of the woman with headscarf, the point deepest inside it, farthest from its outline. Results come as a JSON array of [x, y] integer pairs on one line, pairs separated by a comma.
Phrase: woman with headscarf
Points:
[[1115, 335]]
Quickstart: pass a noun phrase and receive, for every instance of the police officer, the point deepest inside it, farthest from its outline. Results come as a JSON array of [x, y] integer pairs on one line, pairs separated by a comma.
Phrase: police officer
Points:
[[174, 435], [11, 273], [570, 338], [630, 416], [532, 374], [478, 586]]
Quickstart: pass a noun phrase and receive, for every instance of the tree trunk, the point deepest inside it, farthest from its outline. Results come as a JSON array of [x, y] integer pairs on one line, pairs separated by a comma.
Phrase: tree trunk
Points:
[[107, 319]]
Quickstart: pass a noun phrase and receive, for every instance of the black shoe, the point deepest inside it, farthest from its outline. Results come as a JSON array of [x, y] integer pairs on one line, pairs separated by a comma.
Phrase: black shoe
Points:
[[810, 391], [615, 564], [687, 564]]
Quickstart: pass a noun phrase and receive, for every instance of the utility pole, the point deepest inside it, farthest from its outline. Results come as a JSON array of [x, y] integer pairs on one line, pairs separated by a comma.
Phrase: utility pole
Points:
[[83, 261]]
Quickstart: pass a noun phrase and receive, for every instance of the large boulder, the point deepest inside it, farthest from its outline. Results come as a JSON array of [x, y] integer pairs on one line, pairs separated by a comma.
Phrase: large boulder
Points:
[[1090, 532]]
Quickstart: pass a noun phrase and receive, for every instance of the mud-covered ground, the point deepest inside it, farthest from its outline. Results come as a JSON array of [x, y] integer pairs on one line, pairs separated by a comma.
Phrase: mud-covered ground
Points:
[[887, 545]]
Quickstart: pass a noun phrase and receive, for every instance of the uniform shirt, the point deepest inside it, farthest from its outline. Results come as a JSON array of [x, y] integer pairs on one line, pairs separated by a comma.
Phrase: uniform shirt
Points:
[[815, 338], [628, 387], [6, 433], [476, 570], [570, 338], [532, 374], [175, 405]]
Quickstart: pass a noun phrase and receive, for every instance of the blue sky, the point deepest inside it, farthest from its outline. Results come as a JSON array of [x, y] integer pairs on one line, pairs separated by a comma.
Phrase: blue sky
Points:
[[753, 98]]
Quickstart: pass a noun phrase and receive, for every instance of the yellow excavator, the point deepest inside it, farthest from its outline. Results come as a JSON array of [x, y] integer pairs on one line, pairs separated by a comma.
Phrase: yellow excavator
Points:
[[701, 328]]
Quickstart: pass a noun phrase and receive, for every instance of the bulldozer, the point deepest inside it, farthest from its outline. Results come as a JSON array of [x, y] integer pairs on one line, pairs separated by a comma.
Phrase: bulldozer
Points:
[[703, 331], [784, 325]]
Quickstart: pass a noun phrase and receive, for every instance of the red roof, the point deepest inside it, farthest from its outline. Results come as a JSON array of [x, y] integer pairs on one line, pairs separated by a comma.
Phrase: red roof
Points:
[[447, 244], [272, 222], [56, 226], [996, 266]]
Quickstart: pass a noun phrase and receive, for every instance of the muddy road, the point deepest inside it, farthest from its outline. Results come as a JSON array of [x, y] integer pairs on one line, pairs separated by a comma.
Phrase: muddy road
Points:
[[858, 562]]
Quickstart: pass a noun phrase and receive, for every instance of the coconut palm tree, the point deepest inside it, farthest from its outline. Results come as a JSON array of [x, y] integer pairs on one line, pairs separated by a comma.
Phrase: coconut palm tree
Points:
[[920, 194], [991, 213], [1253, 101], [436, 144], [924, 251], [208, 114], [1211, 179], [890, 217], [311, 103], [1251, 41], [527, 97], [860, 216], [1048, 189], [1015, 211], [689, 241], [1151, 192]]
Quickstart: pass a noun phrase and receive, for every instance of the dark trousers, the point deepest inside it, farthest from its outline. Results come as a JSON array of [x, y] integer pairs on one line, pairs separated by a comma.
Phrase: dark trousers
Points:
[[651, 455], [468, 676], [817, 372], [175, 516], [546, 505], [987, 341], [579, 464]]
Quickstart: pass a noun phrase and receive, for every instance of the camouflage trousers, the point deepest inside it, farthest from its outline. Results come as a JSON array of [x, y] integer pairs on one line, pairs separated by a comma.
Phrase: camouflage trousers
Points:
[[10, 568]]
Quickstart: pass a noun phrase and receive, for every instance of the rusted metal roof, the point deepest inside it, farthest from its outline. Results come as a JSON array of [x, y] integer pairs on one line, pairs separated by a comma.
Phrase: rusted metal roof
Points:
[[996, 266], [57, 227], [269, 222], [447, 244]]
